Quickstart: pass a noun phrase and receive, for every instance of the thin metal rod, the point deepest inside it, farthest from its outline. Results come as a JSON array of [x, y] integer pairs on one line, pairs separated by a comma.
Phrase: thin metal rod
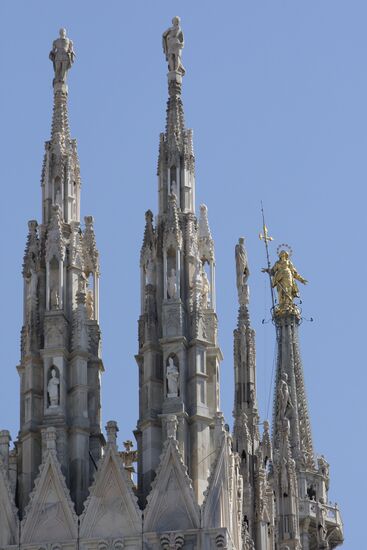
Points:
[[265, 238]]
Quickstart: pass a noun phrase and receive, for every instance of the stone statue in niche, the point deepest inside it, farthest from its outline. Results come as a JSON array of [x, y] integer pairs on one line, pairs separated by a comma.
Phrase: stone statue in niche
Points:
[[172, 284], [205, 290], [174, 188], [89, 304], [173, 42], [173, 376], [62, 56], [54, 299], [284, 398], [53, 389], [58, 196]]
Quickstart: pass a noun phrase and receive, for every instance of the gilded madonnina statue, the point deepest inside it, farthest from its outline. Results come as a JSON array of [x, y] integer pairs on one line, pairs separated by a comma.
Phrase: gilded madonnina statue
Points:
[[284, 276]]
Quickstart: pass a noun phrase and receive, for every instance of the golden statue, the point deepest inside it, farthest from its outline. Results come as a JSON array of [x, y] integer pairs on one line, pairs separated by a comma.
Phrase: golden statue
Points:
[[283, 278]]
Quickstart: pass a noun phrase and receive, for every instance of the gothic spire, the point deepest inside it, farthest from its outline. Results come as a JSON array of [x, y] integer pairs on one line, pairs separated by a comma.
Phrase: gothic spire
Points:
[[244, 339], [60, 343], [62, 56], [176, 157], [297, 478], [60, 174], [179, 356]]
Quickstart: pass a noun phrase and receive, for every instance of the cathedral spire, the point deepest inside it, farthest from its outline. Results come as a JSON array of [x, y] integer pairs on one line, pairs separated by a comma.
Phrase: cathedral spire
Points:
[[60, 353], [62, 56], [253, 454], [176, 156], [298, 479], [178, 355], [60, 175]]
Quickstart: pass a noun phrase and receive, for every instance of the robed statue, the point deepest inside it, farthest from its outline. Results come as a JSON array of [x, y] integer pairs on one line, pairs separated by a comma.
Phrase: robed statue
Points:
[[53, 389], [284, 276], [62, 56], [173, 42], [242, 271]]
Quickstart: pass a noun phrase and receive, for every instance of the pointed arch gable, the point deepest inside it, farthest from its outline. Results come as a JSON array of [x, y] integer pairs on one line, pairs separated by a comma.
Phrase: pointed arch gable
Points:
[[171, 503], [111, 509], [50, 513]]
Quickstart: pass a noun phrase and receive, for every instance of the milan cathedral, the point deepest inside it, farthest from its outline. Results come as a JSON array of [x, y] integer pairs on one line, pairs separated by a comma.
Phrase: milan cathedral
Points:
[[65, 485]]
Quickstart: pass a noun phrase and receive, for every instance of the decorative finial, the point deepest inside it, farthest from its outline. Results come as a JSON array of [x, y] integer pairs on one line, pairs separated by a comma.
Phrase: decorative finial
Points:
[[112, 429], [129, 457], [62, 56], [242, 272], [173, 42], [51, 438]]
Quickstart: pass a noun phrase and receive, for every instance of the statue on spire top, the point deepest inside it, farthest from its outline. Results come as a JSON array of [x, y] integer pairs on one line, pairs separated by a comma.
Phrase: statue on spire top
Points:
[[173, 42], [62, 56], [242, 272], [284, 276]]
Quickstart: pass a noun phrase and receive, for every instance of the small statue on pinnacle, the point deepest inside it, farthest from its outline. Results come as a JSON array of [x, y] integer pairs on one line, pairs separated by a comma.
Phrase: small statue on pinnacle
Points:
[[62, 56], [173, 42], [242, 272]]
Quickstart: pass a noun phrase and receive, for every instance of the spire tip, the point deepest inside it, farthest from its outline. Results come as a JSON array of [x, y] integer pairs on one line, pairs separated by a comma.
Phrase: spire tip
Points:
[[62, 56], [173, 42]]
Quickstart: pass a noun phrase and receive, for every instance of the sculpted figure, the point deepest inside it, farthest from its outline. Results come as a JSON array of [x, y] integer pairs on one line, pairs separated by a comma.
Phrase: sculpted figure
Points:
[[284, 276], [173, 42], [172, 284], [321, 524], [171, 427], [149, 272], [55, 302], [174, 188], [172, 376], [62, 56], [242, 271], [53, 389], [32, 281], [205, 289], [284, 399], [89, 305]]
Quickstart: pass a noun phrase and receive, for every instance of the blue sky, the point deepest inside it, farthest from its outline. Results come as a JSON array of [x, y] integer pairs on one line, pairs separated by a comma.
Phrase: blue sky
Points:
[[276, 93]]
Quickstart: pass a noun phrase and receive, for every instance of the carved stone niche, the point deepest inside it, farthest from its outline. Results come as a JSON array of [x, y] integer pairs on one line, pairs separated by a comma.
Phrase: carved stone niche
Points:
[[172, 541], [53, 388], [172, 376]]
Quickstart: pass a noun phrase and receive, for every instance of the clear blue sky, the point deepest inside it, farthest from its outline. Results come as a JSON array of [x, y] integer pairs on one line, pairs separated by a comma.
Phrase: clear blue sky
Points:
[[276, 93]]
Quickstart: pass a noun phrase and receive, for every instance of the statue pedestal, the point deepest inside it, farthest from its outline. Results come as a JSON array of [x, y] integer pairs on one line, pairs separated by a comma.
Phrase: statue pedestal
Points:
[[174, 76], [61, 87], [172, 405]]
